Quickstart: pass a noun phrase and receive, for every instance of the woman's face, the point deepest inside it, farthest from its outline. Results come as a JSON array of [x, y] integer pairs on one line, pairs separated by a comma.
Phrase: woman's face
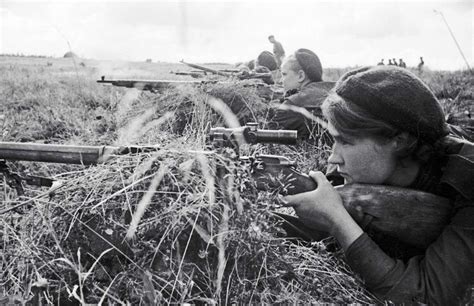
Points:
[[290, 78], [363, 160]]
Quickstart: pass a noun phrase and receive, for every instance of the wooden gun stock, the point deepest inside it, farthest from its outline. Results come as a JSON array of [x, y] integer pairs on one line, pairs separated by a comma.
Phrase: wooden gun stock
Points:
[[68, 154], [414, 217]]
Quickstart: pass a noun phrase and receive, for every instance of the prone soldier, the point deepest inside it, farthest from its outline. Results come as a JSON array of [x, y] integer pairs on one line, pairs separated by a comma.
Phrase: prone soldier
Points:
[[304, 91], [389, 129]]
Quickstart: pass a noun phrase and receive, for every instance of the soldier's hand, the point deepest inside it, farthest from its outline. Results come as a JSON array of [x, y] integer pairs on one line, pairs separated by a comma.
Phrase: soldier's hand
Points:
[[321, 208]]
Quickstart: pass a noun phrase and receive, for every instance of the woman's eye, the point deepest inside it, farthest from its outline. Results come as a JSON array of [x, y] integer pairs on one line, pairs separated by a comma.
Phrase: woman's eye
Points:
[[342, 141]]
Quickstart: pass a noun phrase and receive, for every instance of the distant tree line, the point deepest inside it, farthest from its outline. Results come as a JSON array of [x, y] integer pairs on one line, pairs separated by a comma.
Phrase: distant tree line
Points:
[[23, 55]]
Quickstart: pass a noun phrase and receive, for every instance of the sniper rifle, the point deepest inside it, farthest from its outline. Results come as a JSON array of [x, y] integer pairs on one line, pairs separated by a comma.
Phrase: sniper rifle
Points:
[[150, 85], [414, 217], [206, 69], [90, 155], [266, 77], [195, 73], [159, 85]]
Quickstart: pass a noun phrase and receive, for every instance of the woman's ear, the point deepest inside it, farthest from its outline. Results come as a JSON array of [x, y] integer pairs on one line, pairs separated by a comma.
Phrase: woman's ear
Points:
[[301, 76], [403, 144], [400, 139]]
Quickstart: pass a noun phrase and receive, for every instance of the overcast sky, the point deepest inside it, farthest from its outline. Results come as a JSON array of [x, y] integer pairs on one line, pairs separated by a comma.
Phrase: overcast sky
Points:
[[343, 33]]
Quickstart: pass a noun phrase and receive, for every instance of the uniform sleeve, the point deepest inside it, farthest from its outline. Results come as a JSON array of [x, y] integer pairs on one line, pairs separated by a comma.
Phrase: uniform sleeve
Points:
[[441, 276]]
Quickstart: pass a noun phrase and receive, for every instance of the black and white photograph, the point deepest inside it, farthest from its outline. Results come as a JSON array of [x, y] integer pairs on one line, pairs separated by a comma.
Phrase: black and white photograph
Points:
[[236, 152]]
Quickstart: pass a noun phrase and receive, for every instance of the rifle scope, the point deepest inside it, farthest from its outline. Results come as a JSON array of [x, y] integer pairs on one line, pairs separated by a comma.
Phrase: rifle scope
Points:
[[252, 135]]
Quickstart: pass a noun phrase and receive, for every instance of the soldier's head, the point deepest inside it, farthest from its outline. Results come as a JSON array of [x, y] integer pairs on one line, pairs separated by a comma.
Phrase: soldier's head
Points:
[[271, 38], [251, 64], [267, 59], [301, 68], [389, 108]]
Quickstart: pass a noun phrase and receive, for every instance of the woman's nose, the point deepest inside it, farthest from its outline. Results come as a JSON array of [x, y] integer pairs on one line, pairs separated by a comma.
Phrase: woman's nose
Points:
[[335, 157]]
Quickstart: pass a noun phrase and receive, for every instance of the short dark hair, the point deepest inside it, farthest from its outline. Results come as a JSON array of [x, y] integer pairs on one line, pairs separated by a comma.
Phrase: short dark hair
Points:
[[351, 120], [271, 36]]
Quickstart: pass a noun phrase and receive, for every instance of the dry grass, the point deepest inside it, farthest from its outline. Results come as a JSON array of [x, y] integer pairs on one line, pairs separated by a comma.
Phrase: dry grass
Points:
[[167, 226]]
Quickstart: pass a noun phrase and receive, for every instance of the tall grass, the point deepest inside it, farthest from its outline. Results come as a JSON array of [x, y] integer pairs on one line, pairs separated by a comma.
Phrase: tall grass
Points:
[[180, 224]]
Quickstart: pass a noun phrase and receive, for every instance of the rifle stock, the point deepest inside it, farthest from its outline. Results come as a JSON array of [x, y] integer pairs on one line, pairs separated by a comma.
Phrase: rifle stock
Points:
[[414, 217], [68, 154]]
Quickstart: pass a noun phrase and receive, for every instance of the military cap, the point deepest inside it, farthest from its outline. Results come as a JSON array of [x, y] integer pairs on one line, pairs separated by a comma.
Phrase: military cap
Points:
[[310, 64], [396, 96], [267, 59]]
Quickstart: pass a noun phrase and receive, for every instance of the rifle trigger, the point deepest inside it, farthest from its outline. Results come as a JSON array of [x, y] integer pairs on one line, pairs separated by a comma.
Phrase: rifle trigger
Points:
[[12, 179]]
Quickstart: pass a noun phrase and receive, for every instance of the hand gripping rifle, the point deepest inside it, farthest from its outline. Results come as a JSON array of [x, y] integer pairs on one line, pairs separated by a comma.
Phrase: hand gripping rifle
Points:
[[413, 217]]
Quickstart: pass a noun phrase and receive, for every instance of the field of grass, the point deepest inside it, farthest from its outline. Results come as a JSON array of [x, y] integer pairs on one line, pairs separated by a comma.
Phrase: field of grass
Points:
[[160, 226]]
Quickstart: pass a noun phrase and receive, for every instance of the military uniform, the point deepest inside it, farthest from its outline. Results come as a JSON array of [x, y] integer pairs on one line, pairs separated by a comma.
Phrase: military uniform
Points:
[[279, 52], [309, 98], [441, 274]]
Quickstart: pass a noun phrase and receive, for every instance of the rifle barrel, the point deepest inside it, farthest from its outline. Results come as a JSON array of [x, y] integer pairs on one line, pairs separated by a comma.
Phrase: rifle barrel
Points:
[[195, 66], [145, 84]]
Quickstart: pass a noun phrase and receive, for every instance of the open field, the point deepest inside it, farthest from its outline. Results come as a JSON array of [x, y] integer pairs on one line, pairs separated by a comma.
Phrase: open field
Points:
[[158, 226]]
